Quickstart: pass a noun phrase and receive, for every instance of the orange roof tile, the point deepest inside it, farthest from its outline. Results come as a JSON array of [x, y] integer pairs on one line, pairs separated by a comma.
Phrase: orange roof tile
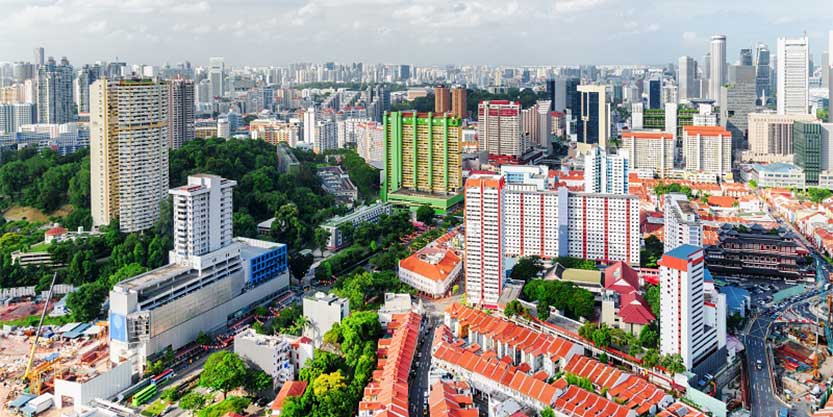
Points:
[[647, 135], [289, 389], [420, 263], [705, 130]]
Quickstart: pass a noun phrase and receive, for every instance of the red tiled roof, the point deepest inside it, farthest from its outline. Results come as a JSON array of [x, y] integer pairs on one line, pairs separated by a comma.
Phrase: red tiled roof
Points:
[[621, 278], [648, 135], [435, 272], [680, 410], [634, 309], [289, 389], [580, 403], [451, 399], [56, 231], [722, 201]]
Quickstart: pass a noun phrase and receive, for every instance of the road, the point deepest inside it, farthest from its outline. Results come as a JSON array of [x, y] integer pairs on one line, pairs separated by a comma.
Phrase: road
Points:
[[418, 384], [762, 396]]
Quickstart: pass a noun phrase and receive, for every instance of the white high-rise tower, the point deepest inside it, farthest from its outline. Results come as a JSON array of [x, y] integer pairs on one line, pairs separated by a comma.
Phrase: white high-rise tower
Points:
[[717, 72], [793, 76]]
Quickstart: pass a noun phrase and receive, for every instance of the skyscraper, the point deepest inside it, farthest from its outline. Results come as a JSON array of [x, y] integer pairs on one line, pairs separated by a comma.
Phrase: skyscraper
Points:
[[423, 160], [745, 56], [606, 174], [793, 80], [717, 72], [180, 112], [687, 78], [202, 216], [442, 99], [738, 98], [807, 150], [459, 104], [654, 94], [551, 93], [38, 57], [763, 85], [216, 76], [54, 87], [128, 152], [86, 76], [707, 150], [499, 128], [682, 224], [484, 195], [593, 122]]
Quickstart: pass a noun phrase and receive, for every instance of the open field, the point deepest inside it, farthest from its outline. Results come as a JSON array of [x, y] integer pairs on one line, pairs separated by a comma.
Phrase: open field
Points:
[[32, 214]]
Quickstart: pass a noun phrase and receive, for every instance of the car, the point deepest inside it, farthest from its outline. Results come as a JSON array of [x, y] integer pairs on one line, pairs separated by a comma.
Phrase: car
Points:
[[759, 364]]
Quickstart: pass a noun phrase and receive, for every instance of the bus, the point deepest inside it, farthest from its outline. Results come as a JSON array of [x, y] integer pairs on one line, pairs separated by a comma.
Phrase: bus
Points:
[[144, 395], [162, 377]]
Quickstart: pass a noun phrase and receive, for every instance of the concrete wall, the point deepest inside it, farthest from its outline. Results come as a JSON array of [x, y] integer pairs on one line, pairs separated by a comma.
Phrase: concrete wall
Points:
[[103, 386]]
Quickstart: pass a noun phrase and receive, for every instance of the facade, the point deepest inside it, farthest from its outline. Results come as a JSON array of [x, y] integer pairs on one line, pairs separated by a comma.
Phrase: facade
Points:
[[652, 151], [738, 103], [535, 220], [682, 224], [623, 304], [807, 150], [763, 85], [459, 103], [717, 63], [180, 112], [280, 356], [683, 329], [771, 134], [323, 311], [759, 253], [499, 130], [81, 87], [687, 78], [337, 183], [13, 116], [54, 92], [276, 131], [778, 174], [210, 281], [605, 173], [793, 76], [325, 136], [370, 142], [603, 227], [423, 160], [359, 215], [654, 94], [708, 150], [483, 259], [128, 152], [593, 119], [442, 99]]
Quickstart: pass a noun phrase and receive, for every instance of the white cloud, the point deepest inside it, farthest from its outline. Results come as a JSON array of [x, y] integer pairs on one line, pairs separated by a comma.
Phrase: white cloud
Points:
[[576, 6]]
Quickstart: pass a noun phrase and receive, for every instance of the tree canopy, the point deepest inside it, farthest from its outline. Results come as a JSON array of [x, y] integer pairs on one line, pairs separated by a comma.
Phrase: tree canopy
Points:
[[574, 301], [223, 371]]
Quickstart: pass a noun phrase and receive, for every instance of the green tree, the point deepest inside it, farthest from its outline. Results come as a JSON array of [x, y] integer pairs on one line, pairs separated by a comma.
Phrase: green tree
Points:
[[425, 214], [299, 265], [85, 302], [586, 330], [601, 336], [652, 297], [170, 394], [651, 358], [513, 308], [673, 364], [193, 401], [321, 237], [648, 337], [547, 412], [325, 383], [527, 268], [652, 252], [223, 371], [257, 381], [203, 339], [125, 272]]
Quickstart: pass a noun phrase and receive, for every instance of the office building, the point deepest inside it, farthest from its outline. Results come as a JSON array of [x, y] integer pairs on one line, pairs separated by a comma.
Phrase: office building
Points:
[[180, 112], [499, 130], [707, 150], [738, 101], [217, 76], [649, 152], [551, 93], [605, 173], [655, 94], [211, 279], [771, 135], [793, 76], [593, 119], [567, 96], [807, 150], [459, 104], [54, 92], [423, 160], [38, 56], [684, 328], [442, 99], [687, 78], [763, 85], [682, 224], [484, 263], [128, 152], [323, 311], [717, 63], [745, 57]]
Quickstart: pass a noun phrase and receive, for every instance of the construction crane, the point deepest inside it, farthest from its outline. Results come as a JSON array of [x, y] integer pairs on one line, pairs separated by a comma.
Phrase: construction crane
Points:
[[26, 374]]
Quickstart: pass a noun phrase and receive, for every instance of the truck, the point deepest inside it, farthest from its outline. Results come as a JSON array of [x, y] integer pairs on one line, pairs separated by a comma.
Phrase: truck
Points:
[[37, 405]]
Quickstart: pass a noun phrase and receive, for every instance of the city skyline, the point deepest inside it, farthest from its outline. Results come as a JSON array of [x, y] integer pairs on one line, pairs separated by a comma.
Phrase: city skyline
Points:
[[532, 32]]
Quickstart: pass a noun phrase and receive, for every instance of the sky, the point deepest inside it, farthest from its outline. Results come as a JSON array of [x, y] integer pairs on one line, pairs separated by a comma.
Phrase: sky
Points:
[[420, 32]]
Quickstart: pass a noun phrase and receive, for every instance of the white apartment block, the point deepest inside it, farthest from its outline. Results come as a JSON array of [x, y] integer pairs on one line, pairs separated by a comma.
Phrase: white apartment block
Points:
[[604, 227], [280, 356], [652, 151], [707, 149], [202, 216], [684, 329], [535, 221], [484, 198], [128, 152], [326, 136], [370, 142], [499, 128], [793, 67], [682, 224], [605, 173], [323, 311]]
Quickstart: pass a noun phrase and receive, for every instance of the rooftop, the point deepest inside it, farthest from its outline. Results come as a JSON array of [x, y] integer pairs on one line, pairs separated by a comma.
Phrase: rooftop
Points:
[[289, 389], [683, 252]]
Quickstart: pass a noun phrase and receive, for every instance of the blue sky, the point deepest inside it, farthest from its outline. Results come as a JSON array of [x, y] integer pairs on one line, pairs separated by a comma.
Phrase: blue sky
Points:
[[278, 32]]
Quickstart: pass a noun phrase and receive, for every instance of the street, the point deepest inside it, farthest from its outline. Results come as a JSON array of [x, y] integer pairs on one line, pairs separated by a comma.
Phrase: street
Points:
[[762, 396], [418, 384]]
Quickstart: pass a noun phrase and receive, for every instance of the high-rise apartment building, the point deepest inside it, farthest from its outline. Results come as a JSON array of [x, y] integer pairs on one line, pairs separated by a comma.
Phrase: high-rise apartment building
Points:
[[593, 119], [13, 116], [442, 99], [38, 57], [180, 112], [807, 150], [685, 326], [793, 76], [86, 76], [326, 136], [687, 78], [499, 128], [771, 135], [708, 150], [605, 173], [202, 212], [682, 224], [128, 152], [652, 151], [423, 162], [484, 236], [54, 92], [309, 125], [717, 72], [459, 104]]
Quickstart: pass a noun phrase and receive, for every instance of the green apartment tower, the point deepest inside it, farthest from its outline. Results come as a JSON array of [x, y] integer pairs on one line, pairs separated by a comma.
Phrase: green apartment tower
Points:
[[807, 150], [423, 160]]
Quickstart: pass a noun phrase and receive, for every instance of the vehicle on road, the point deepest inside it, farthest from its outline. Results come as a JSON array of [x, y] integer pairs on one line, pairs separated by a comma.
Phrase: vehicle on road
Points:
[[759, 365]]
